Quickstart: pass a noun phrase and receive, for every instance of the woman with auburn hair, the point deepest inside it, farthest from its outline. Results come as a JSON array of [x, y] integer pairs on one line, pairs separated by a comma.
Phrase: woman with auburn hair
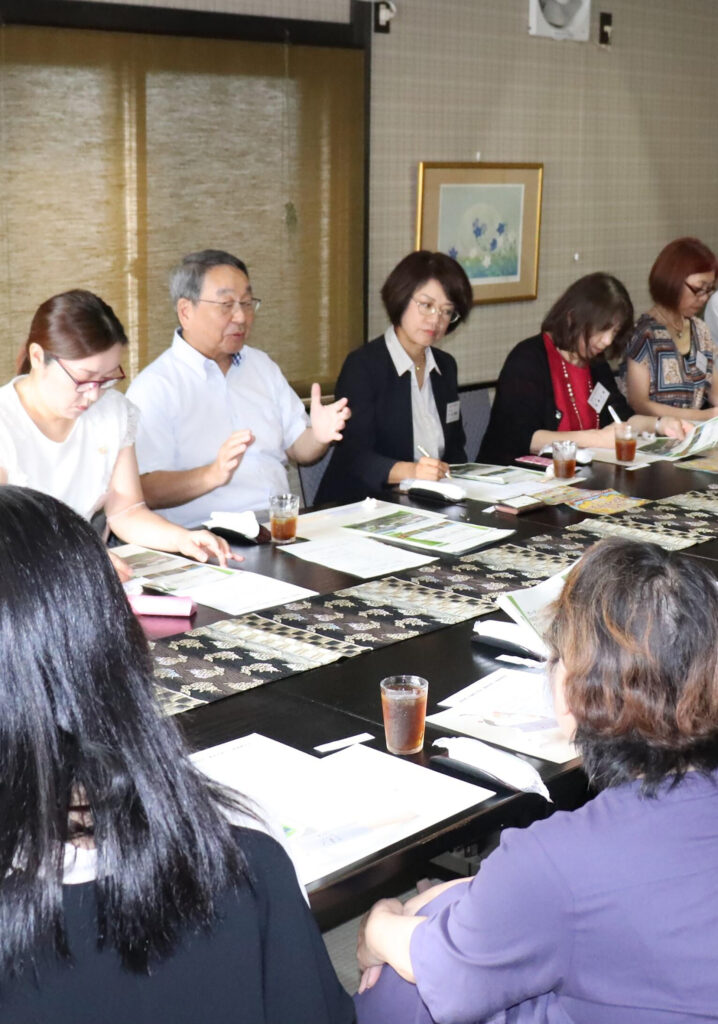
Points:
[[402, 390], [64, 431], [608, 913], [670, 358], [125, 893], [558, 385]]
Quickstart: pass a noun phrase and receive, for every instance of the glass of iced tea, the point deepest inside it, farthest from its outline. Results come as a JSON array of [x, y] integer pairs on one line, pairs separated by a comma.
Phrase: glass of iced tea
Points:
[[625, 438], [564, 459], [403, 704], [283, 512]]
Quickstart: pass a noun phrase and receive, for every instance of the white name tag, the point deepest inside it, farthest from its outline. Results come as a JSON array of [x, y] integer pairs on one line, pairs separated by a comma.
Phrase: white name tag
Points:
[[597, 398], [453, 411], [701, 362]]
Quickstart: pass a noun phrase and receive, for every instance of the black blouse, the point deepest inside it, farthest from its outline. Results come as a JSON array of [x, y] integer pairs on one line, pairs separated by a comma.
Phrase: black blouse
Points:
[[524, 402], [264, 962]]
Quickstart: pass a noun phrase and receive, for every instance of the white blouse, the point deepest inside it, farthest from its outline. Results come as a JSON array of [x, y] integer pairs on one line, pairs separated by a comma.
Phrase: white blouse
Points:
[[77, 470], [426, 423]]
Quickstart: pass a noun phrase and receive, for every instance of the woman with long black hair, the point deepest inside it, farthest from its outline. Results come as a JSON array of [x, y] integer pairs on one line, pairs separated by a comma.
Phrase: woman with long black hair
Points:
[[125, 893]]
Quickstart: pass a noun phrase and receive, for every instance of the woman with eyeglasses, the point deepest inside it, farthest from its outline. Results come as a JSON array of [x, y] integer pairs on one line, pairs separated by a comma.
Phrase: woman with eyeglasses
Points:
[[670, 357], [406, 419], [63, 431], [608, 913], [132, 889], [559, 386]]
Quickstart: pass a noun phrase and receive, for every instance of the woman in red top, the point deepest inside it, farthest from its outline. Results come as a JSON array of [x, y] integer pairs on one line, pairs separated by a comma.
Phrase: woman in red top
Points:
[[546, 382]]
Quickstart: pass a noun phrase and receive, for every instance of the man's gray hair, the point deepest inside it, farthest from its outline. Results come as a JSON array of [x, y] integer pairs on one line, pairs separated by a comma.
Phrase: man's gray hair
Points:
[[187, 278]]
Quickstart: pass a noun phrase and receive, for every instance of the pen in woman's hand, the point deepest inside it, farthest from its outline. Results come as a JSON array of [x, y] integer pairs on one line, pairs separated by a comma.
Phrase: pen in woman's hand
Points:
[[426, 455]]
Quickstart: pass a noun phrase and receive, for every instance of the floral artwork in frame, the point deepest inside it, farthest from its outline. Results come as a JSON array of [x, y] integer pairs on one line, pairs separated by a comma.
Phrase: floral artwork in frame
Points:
[[487, 217]]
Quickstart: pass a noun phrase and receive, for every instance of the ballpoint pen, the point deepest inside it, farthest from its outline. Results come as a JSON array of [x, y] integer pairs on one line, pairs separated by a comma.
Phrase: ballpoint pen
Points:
[[427, 456]]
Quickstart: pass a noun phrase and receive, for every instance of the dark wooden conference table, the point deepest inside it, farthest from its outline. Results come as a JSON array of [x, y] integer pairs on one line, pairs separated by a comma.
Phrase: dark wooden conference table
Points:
[[342, 699]]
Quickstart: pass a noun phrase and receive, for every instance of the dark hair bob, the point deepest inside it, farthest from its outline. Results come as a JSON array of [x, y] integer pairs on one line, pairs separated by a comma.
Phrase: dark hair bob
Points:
[[72, 325], [594, 303], [415, 270], [674, 263]]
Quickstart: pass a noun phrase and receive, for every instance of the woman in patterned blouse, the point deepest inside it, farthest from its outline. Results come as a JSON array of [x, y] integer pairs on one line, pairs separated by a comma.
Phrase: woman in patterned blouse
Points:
[[670, 357]]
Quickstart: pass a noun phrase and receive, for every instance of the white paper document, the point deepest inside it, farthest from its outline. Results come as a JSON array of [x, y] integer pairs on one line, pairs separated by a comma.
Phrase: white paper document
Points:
[[338, 809], [233, 591], [356, 555], [533, 484], [485, 473], [416, 528], [530, 606], [512, 709], [608, 455], [326, 521], [397, 524], [704, 437]]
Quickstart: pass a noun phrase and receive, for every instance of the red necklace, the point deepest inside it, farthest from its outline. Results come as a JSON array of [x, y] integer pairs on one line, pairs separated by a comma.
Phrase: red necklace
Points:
[[572, 397]]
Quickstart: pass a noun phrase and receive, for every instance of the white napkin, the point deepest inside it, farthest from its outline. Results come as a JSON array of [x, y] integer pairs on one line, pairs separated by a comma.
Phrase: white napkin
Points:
[[240, 522], [504, 767]]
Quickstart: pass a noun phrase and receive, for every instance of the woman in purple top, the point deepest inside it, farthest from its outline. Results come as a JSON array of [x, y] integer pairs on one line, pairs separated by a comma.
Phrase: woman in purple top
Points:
[[610, 913]]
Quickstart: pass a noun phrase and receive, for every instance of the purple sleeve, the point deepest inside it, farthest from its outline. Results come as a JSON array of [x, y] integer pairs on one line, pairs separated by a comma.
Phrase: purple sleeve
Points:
[[506, 940]]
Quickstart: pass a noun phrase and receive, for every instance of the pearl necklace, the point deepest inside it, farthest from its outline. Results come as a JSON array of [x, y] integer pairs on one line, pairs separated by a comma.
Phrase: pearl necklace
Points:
[[572, 398]]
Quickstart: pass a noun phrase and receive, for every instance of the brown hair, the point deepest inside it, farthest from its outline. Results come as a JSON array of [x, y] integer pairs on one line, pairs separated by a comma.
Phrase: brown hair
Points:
[[677, 261], [594, 303], [637, 630], [72, 325], [415, 270]]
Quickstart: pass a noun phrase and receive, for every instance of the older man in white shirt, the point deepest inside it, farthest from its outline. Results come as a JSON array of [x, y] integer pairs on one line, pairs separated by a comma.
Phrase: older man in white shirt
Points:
[[218, 419]]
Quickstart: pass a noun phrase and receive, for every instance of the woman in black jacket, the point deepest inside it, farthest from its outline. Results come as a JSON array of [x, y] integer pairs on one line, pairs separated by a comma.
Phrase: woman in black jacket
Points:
[[558, 386], [406, 420]]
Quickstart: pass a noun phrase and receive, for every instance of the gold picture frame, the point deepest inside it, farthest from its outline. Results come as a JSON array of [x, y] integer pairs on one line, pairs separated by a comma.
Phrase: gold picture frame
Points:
[[488, 217]]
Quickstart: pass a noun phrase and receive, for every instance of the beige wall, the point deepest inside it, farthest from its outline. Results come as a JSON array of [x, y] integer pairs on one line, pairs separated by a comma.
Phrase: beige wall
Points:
[[625, 135]]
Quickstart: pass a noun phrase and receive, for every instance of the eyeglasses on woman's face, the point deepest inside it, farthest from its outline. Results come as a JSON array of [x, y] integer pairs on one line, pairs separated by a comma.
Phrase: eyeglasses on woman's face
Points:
[[447, 313], [701, 292], [83, 386]]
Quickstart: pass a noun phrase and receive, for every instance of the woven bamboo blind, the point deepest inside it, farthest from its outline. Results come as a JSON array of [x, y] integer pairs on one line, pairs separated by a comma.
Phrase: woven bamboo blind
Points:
[[122, 152]]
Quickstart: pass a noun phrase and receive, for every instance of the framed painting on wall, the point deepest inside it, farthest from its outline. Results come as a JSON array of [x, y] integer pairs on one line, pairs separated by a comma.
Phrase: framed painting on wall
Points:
[[488, 217]]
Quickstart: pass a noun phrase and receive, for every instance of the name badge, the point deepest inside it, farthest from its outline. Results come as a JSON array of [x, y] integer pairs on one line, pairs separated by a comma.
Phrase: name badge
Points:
[[701, 362], [453, 411], [597, 398]]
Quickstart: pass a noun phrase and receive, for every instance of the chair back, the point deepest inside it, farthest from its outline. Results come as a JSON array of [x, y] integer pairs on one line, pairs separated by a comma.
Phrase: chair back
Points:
[[475, 413], [311, 476]]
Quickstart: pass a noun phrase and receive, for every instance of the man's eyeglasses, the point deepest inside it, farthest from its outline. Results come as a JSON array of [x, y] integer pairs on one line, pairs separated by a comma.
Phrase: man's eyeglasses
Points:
[[429, 309], [703, 292], [102, 384], [228, 307]]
